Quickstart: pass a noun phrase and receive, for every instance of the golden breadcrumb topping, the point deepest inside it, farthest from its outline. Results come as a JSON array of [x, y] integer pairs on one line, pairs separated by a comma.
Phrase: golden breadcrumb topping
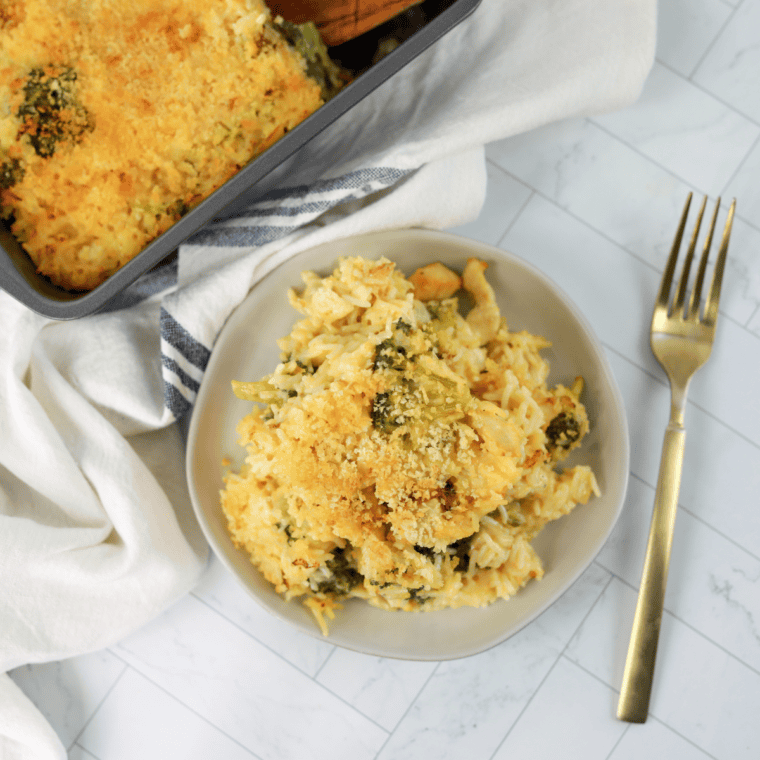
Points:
[[118, 116], [401, 452]]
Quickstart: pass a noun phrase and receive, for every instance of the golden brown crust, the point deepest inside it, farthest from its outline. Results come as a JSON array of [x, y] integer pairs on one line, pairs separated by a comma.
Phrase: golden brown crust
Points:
[[161, 103], [400, 457]]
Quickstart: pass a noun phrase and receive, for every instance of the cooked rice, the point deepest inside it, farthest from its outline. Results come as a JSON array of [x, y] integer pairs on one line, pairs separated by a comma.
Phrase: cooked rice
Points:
[[400, 452], [118, 116]]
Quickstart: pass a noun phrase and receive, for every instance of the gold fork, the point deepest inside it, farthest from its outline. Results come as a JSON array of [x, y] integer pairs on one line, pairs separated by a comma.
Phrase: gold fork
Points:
[[681, 339]]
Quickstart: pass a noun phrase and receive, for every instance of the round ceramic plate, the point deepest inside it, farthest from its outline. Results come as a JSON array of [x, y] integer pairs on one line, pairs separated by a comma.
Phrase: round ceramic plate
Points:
[[246, 350]]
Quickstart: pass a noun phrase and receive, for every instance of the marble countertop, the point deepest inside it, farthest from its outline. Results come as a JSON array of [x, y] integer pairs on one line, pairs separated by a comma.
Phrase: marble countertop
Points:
[[594, 204]]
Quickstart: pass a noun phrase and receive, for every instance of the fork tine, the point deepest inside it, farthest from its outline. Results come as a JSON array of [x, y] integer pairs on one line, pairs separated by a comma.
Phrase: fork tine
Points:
[[684, 281], [663, 296], [711, 307], [696, 293]]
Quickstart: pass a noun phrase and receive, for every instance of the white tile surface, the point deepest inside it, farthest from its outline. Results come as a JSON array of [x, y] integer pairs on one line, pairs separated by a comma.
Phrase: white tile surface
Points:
[[158, 726], [700, 691], [241, 687], [674, 121], [68, 692], [713, 585], [581, 728], [468, 705], [655, 741], [686, 29], [219, 590], [504, 201], [594, 203], [731, 68], [380, 688]]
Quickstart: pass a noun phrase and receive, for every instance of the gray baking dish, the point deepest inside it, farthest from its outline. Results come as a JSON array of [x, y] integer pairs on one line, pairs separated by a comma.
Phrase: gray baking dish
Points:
[[17, 272]]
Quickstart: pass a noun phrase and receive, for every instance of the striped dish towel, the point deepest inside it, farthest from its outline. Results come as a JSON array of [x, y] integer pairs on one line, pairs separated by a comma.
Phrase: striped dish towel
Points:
[[184, 356]]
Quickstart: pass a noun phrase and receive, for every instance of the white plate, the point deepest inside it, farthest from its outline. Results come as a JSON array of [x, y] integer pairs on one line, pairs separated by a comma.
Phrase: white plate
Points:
[[246, 350]]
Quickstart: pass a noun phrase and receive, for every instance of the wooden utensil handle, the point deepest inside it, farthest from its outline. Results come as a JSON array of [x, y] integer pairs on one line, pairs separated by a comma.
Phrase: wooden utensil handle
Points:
[[339, 20]]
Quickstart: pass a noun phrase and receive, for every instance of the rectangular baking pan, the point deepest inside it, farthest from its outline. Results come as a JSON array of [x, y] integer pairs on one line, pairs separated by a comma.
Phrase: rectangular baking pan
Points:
[[17, 272]]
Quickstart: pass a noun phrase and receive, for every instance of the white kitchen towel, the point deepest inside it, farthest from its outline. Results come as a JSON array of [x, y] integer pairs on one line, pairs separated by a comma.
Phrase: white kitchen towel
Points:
[[96, 532]]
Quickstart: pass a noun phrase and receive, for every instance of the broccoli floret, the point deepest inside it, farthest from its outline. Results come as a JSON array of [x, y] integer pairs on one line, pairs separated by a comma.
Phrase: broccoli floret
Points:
[[308, 369], [385, 416], [287, 530], [563, 431], [389, 355], [461, 550], [177, 209], [51, 113], [320, 67], [344, 575], [11, 173], [415, 595]]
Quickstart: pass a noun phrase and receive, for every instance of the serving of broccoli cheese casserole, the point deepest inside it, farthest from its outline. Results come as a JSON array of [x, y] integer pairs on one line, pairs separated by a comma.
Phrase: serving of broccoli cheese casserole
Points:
[[401, 452], [118, 116]]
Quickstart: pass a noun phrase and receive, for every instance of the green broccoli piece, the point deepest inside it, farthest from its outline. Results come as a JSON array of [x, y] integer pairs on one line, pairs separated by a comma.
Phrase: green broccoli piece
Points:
[[51, 113], [385, 415], [11, 173], [563, 431], [461, 550], [320, 67], [389, 355], [344, 575]]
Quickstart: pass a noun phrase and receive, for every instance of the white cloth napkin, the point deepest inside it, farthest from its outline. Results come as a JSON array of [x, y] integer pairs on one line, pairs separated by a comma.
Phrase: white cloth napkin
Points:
[[96, 533]]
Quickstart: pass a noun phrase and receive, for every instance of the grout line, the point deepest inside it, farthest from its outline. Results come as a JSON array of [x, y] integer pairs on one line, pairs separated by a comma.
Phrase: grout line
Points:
[[602, 234], [276, 654], [709, 48], [324, 662], [99, 705], [407, 711], [655, 162], [741, 165], [84, 749], [709, 93], [650, 717], [620, 738], [258, 641], [526, 705], [554, 664], [715, 96], [519, 211], [755, 313], [176, 699], [699, 519]]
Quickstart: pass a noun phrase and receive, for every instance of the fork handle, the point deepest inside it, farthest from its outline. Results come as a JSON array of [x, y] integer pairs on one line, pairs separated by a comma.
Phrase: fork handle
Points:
[[642, 649]]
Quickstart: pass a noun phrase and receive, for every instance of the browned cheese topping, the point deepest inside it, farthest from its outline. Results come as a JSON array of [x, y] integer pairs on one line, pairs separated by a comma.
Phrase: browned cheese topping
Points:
[[401, 452], [118, 116]]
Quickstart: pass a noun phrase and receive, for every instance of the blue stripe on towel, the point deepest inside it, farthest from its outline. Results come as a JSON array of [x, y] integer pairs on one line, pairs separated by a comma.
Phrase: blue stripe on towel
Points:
[[296, 206], [187, 381], [175, 402], [362, 178], [193, 351], [175, 335], [240, 236]]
